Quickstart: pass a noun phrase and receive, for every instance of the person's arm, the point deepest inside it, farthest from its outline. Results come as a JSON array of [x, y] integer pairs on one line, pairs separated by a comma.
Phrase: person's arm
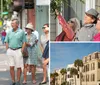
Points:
[[24, 42], [7, 46], [41, 46], [7, 41], [32, 41], [69, 32], [23, 47]]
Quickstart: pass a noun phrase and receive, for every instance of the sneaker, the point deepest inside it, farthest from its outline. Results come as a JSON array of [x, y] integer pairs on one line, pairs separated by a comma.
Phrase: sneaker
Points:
[[17, 83]]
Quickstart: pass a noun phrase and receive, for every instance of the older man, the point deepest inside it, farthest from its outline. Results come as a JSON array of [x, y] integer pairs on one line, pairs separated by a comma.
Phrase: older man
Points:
[[15, 44]]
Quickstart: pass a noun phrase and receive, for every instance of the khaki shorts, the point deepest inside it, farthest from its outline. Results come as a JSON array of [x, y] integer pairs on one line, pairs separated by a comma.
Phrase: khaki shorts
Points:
[[15, 58]]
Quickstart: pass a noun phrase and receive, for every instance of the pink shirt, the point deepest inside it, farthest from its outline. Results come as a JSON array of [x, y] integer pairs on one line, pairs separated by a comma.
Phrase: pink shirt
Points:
[[3, 33], [67, 31], [96, 37]]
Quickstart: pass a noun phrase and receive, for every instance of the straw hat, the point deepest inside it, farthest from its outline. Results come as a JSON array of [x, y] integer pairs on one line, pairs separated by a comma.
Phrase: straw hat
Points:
[[29, 26]]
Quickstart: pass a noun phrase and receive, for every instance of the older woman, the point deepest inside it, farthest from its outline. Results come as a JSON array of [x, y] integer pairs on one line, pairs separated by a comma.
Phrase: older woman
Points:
[[32, 53], [88, 30], [69, 28]]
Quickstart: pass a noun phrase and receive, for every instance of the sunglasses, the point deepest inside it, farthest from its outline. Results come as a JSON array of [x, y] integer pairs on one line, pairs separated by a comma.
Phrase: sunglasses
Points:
[[71, 21], [43, 27]]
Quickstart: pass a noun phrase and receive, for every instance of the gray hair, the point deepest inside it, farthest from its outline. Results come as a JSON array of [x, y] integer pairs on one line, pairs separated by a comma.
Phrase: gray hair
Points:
[[17, 21]]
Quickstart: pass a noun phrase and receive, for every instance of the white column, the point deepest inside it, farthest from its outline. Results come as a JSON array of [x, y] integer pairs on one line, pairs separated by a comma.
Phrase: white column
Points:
[[89, 4]]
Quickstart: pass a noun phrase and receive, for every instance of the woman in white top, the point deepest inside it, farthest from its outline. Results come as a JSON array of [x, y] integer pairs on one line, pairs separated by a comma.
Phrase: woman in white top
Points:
[[44, 40], [44, 37]]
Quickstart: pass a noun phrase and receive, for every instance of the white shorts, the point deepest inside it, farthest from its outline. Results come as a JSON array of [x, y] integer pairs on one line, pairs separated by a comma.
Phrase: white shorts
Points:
[[15, 58]]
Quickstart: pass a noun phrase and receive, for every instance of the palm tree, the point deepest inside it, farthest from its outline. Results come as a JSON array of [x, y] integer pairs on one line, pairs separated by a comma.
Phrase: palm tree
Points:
[[63, 72], [55, 77], [52, 81], [79, 63], [74, 72]]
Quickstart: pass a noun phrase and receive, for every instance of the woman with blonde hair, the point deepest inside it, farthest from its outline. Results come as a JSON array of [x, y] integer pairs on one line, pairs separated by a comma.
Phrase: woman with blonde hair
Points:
[[69, 28]]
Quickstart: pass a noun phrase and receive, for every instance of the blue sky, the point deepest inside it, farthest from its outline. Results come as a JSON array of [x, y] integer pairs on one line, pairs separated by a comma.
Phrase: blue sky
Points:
[[62, 54]]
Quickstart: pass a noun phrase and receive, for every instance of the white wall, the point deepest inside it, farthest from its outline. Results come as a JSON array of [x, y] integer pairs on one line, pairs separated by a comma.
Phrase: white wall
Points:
[[90, 4]]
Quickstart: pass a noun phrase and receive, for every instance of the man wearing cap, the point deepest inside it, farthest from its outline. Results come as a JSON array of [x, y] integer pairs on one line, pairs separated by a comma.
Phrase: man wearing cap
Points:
[[15, 44], [97, 36], [87, 32]]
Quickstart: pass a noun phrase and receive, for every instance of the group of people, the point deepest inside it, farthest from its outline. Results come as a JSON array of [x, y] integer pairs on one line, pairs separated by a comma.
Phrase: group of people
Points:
[[20, 44], [71, 30]]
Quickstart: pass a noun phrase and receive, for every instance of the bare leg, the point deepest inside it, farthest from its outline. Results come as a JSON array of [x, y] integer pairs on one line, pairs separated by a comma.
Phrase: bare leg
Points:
[[12, 73], [25, 72], [18, 74], [33, 69], [45, 62], [44, 71]]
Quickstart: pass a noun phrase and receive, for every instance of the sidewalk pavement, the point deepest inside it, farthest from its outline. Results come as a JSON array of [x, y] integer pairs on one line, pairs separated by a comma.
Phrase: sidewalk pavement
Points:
[[5, 78]]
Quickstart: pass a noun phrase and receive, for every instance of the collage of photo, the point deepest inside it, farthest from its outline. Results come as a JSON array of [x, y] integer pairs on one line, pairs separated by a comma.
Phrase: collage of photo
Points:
[[49, 42], [75, 43]]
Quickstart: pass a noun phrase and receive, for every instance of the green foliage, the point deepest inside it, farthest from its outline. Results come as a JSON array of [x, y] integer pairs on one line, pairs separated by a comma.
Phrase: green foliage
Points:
[[56, 4], [78, 63], [73, 71], [63, 71], [64, 83], [51, 75], [55, 74], [6, 6]]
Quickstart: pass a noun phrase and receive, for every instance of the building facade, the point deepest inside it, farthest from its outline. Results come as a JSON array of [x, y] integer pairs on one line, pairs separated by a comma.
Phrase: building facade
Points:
[[91, 69]]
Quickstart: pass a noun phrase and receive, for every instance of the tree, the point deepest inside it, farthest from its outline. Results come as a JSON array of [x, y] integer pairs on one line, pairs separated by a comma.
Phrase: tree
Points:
[[52, 81], [6, 5], [74, 72], [63, 72], [64, 83], [56, 4], [79, 63], [55, 77]]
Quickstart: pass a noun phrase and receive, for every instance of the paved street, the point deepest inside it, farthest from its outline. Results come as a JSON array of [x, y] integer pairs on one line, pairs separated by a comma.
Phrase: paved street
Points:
[[4, 70]]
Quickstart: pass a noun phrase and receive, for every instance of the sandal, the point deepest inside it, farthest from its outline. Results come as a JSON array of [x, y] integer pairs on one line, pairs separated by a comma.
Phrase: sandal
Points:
[[24, 82], [42, 83], [34, 82]]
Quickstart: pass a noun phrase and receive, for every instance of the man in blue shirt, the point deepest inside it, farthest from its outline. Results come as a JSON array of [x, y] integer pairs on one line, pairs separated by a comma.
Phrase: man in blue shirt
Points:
[[15, 44]]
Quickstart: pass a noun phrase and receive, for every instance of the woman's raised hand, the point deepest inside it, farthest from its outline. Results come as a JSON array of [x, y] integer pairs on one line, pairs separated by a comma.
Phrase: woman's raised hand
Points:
[[56, 11]]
